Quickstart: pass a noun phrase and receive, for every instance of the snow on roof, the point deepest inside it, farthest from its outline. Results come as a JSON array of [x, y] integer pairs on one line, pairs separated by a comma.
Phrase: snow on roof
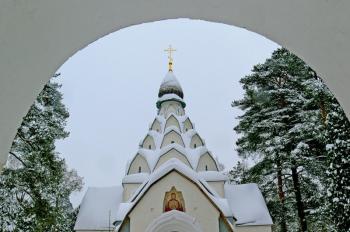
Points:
[[213, 176], [170, 96], [193, 155], [96, 206], [247, 204], [137, 178]]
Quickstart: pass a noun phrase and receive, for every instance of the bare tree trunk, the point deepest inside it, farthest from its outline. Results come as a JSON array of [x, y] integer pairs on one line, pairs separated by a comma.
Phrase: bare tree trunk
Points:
[[299, 202], [281, 196]]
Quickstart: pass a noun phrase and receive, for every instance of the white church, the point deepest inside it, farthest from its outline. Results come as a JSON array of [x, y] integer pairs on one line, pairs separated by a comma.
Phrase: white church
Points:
[[173, 183]]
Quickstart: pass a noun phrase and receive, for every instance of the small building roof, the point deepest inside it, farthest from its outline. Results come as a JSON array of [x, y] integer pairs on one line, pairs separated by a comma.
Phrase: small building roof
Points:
[[98, 209], [247, 204]]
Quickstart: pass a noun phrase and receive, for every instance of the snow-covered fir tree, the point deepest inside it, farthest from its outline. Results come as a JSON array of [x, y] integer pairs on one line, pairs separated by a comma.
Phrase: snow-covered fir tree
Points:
[[36, 184], [338, 173], [283, 128]]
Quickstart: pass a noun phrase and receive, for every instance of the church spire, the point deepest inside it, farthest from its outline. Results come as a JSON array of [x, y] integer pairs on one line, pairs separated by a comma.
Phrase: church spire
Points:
[[170, 57]]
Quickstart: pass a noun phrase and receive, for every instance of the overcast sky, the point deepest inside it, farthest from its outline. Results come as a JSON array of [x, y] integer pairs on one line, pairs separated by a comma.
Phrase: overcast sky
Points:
[[111, 86]]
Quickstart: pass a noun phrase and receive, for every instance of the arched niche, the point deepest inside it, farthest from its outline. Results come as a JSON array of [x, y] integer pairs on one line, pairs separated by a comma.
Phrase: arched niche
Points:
[[172, 137], [148, 143], [172, 121], [173, 153], [138, 165], [207, 163], [196, 141]]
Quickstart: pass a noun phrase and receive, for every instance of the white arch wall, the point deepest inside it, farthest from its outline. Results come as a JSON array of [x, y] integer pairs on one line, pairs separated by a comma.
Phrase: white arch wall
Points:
[[38, 36]]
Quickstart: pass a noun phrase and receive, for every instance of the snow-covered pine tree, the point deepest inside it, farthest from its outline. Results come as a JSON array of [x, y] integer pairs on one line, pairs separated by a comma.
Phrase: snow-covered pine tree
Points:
[[276, 125], [338, 173], [36, 184]]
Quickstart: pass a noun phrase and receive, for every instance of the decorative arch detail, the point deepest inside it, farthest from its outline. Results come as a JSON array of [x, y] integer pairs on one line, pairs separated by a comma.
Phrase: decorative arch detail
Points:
[[187, 124], [196, 141], [172, 137], [156, 126], [172, 153], [174, 221], [172, 121], [148, 143], [207, 163], [138, 165]]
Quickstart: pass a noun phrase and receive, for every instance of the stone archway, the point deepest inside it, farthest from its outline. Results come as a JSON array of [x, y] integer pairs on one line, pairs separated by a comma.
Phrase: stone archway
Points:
[[37, 38], [174, 221]]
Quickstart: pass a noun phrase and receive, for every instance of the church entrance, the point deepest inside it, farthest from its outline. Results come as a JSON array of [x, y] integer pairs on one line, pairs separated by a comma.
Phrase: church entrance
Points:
[[174, 221]]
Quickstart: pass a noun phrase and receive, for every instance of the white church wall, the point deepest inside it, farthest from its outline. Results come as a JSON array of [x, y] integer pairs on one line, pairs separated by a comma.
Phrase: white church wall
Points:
[[196, 141], [172, 121], [129, 190], [206, 163], [173, 153], [172, 137], [218, 186], [139, 164], [253, 228], [197, 204]]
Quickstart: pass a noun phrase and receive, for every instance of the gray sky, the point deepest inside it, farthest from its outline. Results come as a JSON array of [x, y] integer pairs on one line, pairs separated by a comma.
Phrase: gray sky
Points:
[[111, 87]]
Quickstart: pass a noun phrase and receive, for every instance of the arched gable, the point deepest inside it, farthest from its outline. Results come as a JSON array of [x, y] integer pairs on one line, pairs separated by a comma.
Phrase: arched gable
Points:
[[148, 143], [156, 126], [187, 124], [196, 141], [172, 121], [206, 163], [138, 165], [172, 137], [172, 153], [149, 206]]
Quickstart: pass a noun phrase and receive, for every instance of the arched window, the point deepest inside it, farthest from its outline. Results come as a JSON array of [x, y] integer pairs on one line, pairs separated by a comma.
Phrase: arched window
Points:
[[150, 146], [140, 169], [172, 141], [195, 145], [206, 167]]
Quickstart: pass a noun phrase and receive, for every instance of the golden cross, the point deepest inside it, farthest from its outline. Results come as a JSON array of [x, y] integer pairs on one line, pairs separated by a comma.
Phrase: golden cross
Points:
[[169, 51]]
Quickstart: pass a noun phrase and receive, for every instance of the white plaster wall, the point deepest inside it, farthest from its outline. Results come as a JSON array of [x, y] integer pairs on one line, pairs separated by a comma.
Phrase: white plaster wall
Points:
[[218, 186], [172, 121], [196, 140], [170, 137], [148, 143], [139, 161], [253, 229], [38, 36], [172, 154], [129, 190], [204, 160], [197, 205]]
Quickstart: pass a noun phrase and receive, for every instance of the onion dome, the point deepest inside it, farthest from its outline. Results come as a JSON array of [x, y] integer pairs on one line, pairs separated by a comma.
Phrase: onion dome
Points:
[[170, 85], [170, 90]]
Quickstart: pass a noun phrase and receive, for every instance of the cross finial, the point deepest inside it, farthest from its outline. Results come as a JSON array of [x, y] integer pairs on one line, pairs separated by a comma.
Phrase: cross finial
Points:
[[170, 50]]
